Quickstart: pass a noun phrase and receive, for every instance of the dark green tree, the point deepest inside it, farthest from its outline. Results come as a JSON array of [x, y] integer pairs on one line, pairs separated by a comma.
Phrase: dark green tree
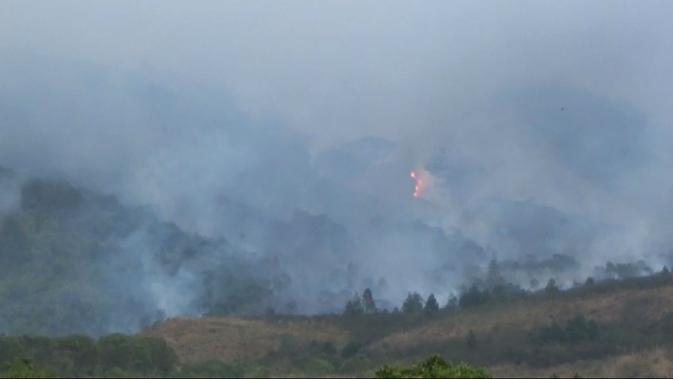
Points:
[[413, 304], [551, 288], [431, 305], [493, 277], [354, 306], [452, 304], [474, 297], [471, 340], [368, 304]]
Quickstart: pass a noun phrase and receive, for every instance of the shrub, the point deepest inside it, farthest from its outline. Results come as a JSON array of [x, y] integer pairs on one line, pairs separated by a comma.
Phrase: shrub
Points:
[[351, 349], [317, 366], [23, 368], [213, 368], [136, 354], [471, 340], [576, 330], [433, 367], [357, 363]]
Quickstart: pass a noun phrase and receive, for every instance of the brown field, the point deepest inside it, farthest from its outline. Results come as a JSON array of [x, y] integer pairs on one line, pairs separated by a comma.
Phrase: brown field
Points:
[[649, 304], [655, 363], [235, 339]]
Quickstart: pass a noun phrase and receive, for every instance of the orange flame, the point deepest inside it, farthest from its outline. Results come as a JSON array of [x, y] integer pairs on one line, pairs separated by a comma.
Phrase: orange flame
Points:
[[419, 183]]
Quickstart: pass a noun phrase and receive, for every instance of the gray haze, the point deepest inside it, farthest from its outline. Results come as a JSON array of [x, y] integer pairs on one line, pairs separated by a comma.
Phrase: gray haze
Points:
[[289, 129]]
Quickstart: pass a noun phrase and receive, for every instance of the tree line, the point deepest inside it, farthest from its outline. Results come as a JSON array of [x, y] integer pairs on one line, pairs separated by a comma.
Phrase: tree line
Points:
[[494, 289]]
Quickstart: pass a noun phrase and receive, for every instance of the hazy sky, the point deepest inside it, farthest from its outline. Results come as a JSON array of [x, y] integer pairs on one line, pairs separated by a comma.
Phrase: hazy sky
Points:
[[339, 69]]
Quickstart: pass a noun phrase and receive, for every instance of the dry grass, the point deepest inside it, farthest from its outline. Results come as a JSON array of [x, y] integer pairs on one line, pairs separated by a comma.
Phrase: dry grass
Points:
[[655, 363], [232, 339], [648, 304]]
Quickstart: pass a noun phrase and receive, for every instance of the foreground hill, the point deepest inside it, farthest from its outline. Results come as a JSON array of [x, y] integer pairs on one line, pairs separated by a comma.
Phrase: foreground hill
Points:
[[616, 329]]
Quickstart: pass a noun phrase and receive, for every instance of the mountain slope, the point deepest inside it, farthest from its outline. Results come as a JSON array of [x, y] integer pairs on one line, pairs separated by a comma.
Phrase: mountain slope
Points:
[[634, 321]]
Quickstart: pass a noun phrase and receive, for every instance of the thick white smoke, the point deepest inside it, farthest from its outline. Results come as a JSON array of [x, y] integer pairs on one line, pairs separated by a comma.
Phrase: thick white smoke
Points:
[[290, 131]]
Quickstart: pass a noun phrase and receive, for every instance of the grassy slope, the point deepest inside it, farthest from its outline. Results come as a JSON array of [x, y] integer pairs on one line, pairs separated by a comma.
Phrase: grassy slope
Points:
[[650, 363], [645, 305], [234, 339]]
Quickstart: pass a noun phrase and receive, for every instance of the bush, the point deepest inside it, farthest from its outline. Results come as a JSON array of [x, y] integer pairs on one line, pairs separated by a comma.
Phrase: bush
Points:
[[23, 368], [351, 349], [317, 366], [576, 330], [82, 356], [326, 348], [667, 325], [433, 367], [213, 368], [357, 363], [79, 351], [471, 340], [136, 354]]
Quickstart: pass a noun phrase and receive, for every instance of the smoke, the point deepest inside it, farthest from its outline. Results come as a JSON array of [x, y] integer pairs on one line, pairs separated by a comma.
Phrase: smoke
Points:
[[289, 131]]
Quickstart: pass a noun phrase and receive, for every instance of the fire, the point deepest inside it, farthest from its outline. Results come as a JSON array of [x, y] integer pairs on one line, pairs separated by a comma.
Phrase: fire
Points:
[[419, 183]]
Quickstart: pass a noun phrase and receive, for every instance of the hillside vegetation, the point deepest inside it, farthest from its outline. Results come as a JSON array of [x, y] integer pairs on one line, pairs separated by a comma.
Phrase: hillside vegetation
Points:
[[616, 328], [70, 275]]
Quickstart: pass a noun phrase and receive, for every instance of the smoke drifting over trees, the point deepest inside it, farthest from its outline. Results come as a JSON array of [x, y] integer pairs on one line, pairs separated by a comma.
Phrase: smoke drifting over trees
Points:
[[238, 157]]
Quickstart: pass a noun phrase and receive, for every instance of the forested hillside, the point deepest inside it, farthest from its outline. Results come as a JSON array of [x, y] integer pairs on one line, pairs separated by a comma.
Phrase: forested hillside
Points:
[[615, 327], [74, 261]]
